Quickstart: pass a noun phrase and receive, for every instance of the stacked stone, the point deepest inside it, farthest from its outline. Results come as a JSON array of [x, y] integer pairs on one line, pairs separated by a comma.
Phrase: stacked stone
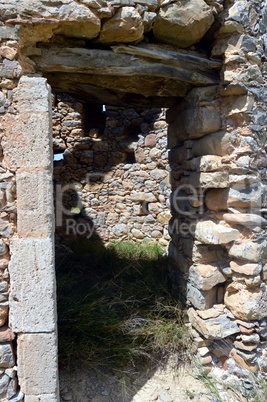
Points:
[[120, 174], [10, 71], [113, 21], [218, 161]]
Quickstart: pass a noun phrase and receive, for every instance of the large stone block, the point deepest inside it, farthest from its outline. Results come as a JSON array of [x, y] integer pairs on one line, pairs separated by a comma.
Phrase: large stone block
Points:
[[214, 144], [35, 208], [245, 219], [125, 26], [208, 232], [183, 23], [72, 19], [32, 278], [216, 199], [77, 21], [195, 123], [249, 250], [201, 96], [209, 180], [201, 299], [9, 32], [28, 142], [214, 324], [208, 254], [205, 277], [248, 195], [37, 365], [247, 304]]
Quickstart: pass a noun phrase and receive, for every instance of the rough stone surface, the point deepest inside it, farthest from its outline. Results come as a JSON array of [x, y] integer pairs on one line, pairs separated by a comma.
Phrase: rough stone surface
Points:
[[208, 232], [195, 123], [60, 40], [125, 26], [25, 144], [41, 398], [246, 303], [183, 23], [205, 277], [216, 199], [32, 297], [248, 250], [7, 358], [37, 376], [35, 208], [213, 328]]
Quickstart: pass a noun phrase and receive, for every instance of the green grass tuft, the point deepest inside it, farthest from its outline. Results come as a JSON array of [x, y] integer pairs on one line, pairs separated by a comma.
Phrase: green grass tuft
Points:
[[115, 305]]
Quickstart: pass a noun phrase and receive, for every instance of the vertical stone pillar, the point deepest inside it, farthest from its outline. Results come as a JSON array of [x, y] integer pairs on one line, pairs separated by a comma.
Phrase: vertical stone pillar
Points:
[[218, 252], [32, 275]]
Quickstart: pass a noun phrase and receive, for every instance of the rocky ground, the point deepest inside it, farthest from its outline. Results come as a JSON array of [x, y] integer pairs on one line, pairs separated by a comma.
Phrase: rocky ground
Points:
[[165, 384]]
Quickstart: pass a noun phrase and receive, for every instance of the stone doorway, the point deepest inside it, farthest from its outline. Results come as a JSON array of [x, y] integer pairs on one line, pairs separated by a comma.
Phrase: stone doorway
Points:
[[214, 86]]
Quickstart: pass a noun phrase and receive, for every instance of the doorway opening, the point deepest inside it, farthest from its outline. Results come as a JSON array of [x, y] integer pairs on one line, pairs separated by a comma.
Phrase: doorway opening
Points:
[[112, 270]]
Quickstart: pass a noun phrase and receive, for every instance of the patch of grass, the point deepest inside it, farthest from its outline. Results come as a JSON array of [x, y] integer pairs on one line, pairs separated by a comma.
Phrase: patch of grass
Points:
[[259, 389], [115, 305]]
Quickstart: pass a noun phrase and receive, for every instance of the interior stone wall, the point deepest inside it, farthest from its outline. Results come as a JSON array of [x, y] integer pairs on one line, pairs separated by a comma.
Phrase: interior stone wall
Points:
[[119, 172]]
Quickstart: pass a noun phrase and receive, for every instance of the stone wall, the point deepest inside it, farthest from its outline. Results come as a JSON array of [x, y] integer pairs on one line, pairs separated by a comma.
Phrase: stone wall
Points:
[[27, 296], [218, 252], [217, 141], [120, 172]]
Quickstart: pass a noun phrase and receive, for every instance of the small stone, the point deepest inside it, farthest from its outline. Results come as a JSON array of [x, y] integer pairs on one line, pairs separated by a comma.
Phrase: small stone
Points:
[[6, 334], [3, 248], [245, 269], [138, 234], [241, 362], [205, 360], [255, 338], [8, 52], [151, 140], [6, 355], [203, 351], [243, 346]]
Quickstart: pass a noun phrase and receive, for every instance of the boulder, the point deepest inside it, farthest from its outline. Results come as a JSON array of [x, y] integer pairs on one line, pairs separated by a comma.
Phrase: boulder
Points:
[[125, 26], [183, 23]]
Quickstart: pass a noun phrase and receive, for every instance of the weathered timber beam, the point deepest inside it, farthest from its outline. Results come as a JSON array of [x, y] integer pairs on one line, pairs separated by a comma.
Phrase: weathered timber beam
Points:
[[107, 62], [69, 83]]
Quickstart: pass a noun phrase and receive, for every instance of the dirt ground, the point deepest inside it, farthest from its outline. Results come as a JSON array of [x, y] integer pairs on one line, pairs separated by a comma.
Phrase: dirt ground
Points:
[[169, 383]]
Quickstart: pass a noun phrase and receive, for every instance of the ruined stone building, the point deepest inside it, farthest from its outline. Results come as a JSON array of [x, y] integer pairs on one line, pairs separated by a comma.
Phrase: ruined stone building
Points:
[[143, 98]]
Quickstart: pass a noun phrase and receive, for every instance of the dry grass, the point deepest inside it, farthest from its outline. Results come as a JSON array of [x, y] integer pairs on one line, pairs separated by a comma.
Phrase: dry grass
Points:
[[115, 305]]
